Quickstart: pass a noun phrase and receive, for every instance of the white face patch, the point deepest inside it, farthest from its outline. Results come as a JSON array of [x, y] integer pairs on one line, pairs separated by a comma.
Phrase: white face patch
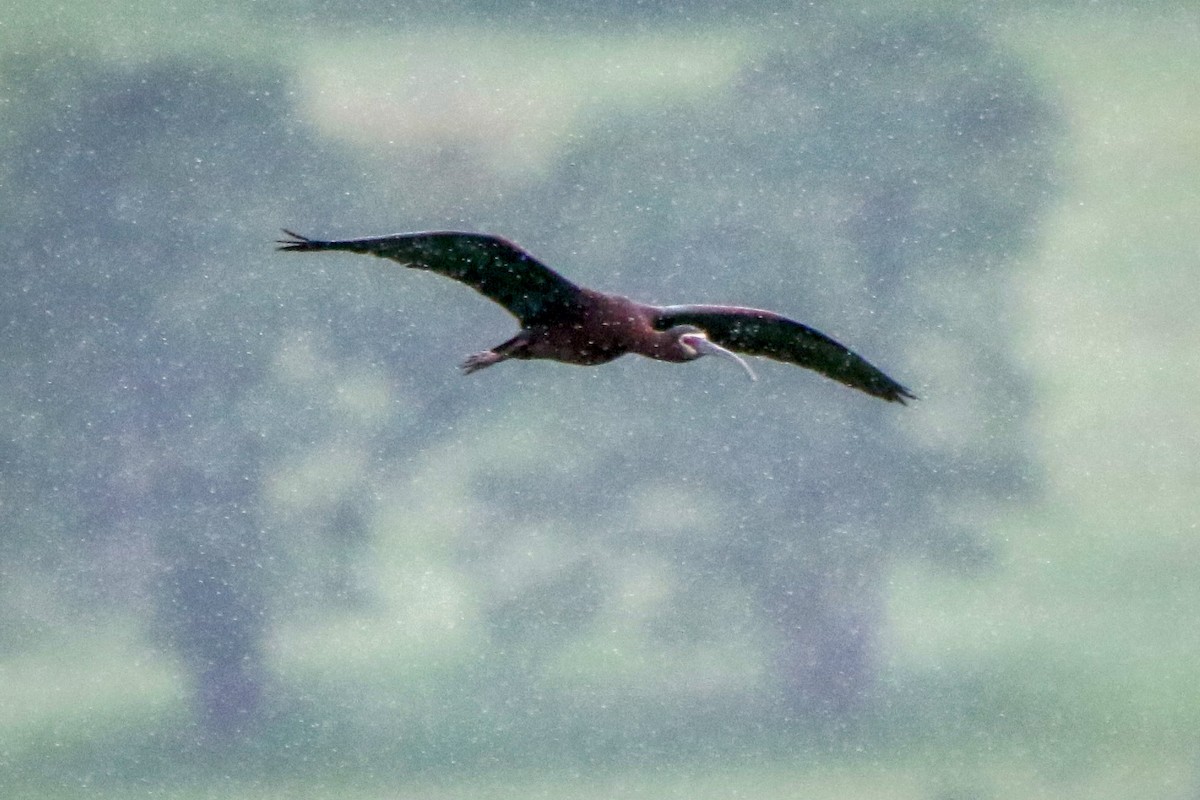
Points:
[[688, 340]]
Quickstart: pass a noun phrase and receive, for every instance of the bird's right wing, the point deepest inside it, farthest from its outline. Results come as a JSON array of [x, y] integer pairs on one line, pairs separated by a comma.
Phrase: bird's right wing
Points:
[[493, 266], [765, 333]]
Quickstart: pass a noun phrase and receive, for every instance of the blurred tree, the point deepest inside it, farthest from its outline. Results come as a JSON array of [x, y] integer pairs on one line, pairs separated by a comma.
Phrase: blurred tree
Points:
[[138, 328], [887, 167]]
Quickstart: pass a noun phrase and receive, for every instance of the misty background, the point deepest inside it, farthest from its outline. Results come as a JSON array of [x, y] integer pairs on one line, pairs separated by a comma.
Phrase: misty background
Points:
[[261, 539]]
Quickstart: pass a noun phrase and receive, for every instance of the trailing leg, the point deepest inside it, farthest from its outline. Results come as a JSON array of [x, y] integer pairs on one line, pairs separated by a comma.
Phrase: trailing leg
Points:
[[510, 349], [480, 360]]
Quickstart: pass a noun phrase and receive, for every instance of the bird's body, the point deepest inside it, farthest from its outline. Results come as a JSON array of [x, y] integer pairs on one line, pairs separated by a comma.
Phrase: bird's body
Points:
[[564, 322], [602, 328]]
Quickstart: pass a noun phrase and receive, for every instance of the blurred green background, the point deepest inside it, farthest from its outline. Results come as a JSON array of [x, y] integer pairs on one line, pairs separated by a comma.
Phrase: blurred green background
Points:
[[261, 540]]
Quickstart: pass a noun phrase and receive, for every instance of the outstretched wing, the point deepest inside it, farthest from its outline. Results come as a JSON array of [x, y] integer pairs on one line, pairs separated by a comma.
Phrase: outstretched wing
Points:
[[764, 333], [494, 267]]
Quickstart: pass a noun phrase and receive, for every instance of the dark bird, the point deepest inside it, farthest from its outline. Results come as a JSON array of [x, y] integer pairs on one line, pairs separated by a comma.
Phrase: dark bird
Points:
[[575, 325]]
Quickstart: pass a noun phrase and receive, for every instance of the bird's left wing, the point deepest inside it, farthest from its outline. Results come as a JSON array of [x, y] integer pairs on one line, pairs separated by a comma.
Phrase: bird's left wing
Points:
[[493, 266], [765, 333]]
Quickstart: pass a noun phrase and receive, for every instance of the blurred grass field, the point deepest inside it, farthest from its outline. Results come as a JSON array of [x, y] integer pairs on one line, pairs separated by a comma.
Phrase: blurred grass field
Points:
[[1069, 671]]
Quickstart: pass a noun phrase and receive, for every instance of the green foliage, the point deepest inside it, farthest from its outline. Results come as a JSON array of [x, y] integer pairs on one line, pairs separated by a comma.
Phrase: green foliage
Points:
[[139, 329], [872, 159], [877, 176]]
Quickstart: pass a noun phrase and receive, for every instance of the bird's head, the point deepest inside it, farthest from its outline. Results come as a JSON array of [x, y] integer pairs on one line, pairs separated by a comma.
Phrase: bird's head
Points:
[[694, 342]]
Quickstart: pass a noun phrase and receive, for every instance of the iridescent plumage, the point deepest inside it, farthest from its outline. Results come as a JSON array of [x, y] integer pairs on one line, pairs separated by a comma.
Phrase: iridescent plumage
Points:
[[575, 325]]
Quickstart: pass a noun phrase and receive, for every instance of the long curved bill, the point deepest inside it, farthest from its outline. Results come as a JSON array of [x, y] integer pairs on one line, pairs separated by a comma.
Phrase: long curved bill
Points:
[[710, 348]]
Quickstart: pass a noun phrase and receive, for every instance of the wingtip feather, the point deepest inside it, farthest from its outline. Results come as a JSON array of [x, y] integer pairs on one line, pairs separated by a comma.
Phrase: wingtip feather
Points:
[[296, 242]]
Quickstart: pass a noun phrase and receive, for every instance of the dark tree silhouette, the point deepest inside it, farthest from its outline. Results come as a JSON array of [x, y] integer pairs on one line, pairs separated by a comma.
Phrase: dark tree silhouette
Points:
[[128, 300], [897, 161]]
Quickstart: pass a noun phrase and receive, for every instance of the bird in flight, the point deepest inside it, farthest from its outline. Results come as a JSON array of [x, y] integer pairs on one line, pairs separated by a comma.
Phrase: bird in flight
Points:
[[575, 325]]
